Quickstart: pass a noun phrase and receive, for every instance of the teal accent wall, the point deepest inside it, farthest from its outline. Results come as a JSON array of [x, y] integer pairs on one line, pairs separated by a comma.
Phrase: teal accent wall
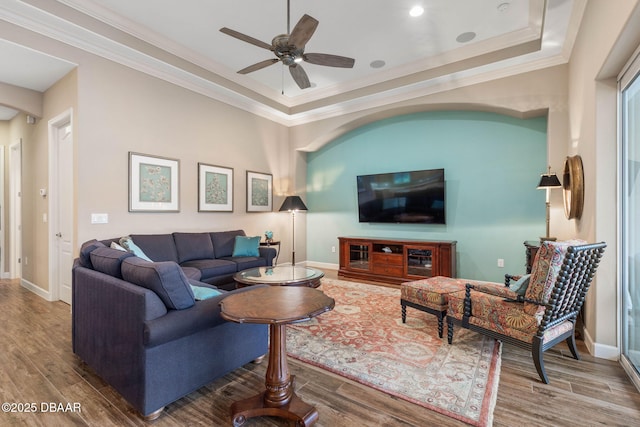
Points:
[[492, 166]]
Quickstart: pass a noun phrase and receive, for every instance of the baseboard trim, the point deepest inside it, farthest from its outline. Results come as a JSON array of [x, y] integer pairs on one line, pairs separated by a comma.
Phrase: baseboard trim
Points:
[[321, 265], [600, 351], [36, 289]]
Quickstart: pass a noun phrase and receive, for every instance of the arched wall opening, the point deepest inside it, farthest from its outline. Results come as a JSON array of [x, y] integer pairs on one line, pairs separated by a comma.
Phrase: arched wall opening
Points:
[[492, 163]]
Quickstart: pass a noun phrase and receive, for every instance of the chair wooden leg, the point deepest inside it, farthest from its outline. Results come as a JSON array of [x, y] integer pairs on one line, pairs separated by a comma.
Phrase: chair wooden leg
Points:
[[404, 313], [538, 360], [440, 324], [571, 342], [449, 330]]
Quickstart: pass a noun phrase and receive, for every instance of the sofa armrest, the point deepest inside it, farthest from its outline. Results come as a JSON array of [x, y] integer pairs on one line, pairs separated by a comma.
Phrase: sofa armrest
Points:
[[108, 324]]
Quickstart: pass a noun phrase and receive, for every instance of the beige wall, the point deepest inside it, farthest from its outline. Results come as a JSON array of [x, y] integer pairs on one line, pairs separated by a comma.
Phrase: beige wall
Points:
[[35, 169], [606, 40], [121, 110]]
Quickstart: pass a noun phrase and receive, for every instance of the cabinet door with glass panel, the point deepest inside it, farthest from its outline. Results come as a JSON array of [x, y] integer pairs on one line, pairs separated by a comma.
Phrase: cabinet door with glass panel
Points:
[[421, 261], [359, 255]]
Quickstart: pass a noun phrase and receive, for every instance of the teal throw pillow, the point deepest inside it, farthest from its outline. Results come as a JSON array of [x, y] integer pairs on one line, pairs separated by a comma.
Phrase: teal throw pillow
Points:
[[201, 293], [520, 285], [246, 246], [127, 243]]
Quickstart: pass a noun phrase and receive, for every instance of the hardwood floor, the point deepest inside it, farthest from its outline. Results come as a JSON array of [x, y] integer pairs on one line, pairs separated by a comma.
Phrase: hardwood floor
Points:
[[38, 366]]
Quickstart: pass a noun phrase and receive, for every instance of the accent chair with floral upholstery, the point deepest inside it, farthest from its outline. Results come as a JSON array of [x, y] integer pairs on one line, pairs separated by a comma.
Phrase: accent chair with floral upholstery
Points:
[[543, 315]]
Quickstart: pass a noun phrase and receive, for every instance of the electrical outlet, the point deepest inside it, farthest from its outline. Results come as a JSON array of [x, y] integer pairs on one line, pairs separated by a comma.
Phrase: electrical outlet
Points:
[[333, 249], [500, 262]]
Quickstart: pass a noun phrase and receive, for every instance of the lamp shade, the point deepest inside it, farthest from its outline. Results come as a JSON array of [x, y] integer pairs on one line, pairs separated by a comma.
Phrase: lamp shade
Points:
[[293, 203], [549, 181]]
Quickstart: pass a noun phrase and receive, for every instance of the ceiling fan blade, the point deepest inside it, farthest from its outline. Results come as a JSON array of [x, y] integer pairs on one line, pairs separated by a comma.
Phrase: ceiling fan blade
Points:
[[299, 76], [329, 60], [258, 66], [245, 38], [303, 31]]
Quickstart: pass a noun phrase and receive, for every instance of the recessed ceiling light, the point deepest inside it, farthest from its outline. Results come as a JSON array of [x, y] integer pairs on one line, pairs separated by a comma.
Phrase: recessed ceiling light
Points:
[[378, 63], [416, 11], [466, 37]]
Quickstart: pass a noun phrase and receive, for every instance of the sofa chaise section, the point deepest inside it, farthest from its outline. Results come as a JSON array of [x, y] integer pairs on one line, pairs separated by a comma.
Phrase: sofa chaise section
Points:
[[150, 353]]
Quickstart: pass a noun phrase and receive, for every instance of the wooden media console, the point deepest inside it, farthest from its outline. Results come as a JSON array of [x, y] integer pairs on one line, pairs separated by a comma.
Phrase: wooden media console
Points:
[[395, 260]]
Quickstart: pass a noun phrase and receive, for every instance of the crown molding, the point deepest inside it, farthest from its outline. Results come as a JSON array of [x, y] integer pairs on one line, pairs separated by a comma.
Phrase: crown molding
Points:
[[73, 26]]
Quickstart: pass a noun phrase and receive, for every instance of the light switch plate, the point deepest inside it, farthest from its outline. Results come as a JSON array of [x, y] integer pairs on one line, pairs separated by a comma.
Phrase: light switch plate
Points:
[[99, 218]]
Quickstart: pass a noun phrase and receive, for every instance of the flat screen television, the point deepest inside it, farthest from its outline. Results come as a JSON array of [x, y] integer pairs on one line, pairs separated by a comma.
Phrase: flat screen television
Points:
[[414, 197]]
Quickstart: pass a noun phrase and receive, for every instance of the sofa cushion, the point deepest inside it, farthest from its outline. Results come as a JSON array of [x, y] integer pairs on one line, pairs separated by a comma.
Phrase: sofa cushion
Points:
[[177, 324], [224, 241], [192, 273], [158, 247], [247, 262], [246, 246], [85, 251], [165, 278], [212, 267], [192, 246], [128, 243], [108, 261]]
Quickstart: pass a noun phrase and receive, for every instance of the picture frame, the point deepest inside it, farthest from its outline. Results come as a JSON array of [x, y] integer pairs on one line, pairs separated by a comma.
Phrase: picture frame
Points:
[[153, 183], [215, 188], [259, 192]]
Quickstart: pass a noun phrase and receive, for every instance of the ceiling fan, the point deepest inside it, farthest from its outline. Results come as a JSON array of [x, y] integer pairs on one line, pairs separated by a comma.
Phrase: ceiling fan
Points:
[[289, 48]]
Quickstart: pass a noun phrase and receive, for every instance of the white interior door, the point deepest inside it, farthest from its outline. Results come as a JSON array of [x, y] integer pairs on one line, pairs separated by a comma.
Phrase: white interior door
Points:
[[3, 226], [15, 215], [61, 206]]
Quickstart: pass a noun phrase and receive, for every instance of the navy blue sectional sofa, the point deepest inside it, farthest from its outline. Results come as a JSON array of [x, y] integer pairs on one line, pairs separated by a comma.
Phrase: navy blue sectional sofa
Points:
[[138, 324], [206, 256]]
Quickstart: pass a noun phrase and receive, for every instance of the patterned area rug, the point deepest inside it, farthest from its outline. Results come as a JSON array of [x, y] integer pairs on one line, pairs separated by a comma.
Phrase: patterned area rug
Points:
[[363, 338]]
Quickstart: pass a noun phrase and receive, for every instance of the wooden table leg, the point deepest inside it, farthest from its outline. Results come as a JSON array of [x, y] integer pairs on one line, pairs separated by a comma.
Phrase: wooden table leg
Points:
[[279, 398]]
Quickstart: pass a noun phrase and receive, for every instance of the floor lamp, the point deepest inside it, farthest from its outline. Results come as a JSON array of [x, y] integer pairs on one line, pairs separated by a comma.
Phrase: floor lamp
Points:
[[547, 182], [293, 204]]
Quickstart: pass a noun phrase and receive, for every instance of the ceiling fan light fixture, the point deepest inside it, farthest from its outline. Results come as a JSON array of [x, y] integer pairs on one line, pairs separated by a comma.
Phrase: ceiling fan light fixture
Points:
[[289, 49]]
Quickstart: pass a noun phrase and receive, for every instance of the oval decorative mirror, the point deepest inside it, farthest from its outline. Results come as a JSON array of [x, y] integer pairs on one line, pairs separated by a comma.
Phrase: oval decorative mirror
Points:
[[573, 187]]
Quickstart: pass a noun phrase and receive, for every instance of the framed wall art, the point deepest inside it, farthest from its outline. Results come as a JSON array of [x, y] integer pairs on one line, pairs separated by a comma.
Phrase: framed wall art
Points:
[[259, 192], [153, 183], [215, 188]]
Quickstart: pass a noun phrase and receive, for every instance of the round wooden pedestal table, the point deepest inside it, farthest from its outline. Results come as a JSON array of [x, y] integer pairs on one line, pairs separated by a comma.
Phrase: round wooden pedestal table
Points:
[[276, 306]]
